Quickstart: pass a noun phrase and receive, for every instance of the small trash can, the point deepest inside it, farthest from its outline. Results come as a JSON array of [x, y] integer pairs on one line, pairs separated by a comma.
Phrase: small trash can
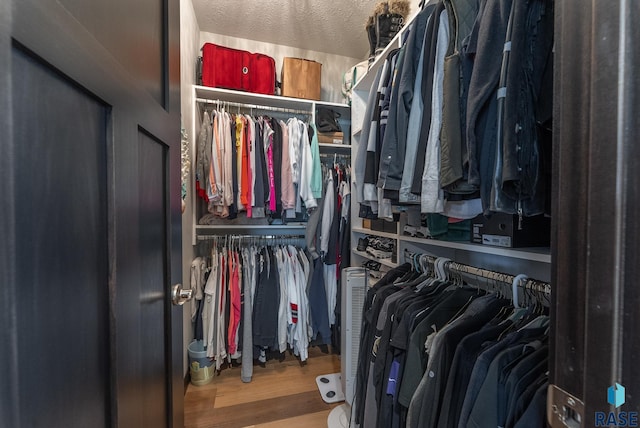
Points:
[[201, 368]]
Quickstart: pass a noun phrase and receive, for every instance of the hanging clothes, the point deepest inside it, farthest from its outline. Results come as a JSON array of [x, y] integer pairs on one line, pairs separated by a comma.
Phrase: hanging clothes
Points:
[[248, 287], [203, 156], [328, 239], [286, 173], [438, 354], [458, 118], [243, 167], [259, 300]]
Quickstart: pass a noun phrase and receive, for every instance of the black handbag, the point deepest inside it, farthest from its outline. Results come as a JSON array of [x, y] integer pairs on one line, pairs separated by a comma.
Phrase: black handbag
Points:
[[327, 120]]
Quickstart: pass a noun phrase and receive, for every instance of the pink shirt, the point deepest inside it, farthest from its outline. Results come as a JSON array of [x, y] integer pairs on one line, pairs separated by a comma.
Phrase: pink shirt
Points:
[[288, 190], [272, 176]]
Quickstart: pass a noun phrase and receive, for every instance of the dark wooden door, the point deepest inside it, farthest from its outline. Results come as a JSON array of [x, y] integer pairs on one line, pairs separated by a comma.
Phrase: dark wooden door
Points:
[[90, 214], [596, 256]]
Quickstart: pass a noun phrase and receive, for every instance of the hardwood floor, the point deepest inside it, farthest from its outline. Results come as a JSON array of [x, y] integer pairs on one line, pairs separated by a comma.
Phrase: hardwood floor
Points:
[[280, 394]]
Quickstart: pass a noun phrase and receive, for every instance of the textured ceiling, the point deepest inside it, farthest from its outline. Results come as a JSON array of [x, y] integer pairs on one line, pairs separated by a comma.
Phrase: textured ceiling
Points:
[[332, 26]]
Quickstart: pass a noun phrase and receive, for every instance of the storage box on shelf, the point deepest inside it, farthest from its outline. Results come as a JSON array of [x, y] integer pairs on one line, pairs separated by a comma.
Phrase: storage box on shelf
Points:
[[224, 67], [301, 78], [504, 230], [330, 137], [539, 254], [253, 103], [379, 225]]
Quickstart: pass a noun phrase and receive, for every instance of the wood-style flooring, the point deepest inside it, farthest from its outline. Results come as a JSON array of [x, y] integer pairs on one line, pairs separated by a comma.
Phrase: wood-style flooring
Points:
[[280, 394]]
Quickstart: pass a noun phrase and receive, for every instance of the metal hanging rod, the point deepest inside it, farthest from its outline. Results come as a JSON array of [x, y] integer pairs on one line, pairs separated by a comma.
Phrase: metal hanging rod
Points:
[[458, 268], [252, 238], [252, 106], [339, 155], [335, 157]]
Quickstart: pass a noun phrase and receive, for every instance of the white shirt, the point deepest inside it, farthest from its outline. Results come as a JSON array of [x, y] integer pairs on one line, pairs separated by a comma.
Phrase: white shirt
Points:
[[306, 168]]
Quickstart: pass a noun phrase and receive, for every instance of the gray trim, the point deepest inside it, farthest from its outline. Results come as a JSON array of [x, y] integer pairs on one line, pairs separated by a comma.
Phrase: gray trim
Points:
[[9, 368]]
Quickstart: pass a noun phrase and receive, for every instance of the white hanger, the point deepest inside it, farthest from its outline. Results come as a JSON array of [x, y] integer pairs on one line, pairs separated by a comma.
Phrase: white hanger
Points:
[[424, 263], [514, 288], [440, 270]]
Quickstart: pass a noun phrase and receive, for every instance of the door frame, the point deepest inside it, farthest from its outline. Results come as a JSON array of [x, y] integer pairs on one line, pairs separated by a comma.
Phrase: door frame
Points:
[[8, 334], [595, 227]]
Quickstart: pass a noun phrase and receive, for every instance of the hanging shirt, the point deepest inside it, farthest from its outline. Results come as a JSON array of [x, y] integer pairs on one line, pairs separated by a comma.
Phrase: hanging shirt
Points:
[[224, 186], [432, 196], [203, 156], [228, 147], [267, 138], [248, 258], [283, 305], [327, 214], [413, 131], [370, 193], [240, 124], [221, 304], [288, 191], [303, 331], [331, 288], [234, 296], [291, 282], [252, 137], [316, 167], [211, 182], [216, 160], [198, 271], [209, 319], [276, 147], [294, 148], [306, 169], [260, 195]]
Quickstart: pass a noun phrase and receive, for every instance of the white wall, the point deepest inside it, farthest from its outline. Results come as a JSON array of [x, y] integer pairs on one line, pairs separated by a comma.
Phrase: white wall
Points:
[[415, 8], [189, 48], [333, 66]]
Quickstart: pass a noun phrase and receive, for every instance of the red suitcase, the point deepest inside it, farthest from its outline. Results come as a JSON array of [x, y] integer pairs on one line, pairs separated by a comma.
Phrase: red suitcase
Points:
[[228, 68]]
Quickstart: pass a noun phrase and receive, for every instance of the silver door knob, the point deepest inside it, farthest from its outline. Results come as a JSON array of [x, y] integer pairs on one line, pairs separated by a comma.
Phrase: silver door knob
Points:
[[179, 295]]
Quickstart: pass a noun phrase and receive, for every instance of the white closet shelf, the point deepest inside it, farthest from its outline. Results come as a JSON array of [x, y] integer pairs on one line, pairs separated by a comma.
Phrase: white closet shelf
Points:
[[374, 232], [540, 254], [385, 262], [205, 92]]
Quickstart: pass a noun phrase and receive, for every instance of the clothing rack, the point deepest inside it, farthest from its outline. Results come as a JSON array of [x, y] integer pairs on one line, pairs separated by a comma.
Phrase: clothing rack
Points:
[[455, 268], [336, 158], [240, 240], [219, 103]]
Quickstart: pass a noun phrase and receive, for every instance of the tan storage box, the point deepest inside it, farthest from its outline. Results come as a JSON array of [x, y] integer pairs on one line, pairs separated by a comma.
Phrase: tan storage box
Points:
[[330, 138], [301, 78]]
